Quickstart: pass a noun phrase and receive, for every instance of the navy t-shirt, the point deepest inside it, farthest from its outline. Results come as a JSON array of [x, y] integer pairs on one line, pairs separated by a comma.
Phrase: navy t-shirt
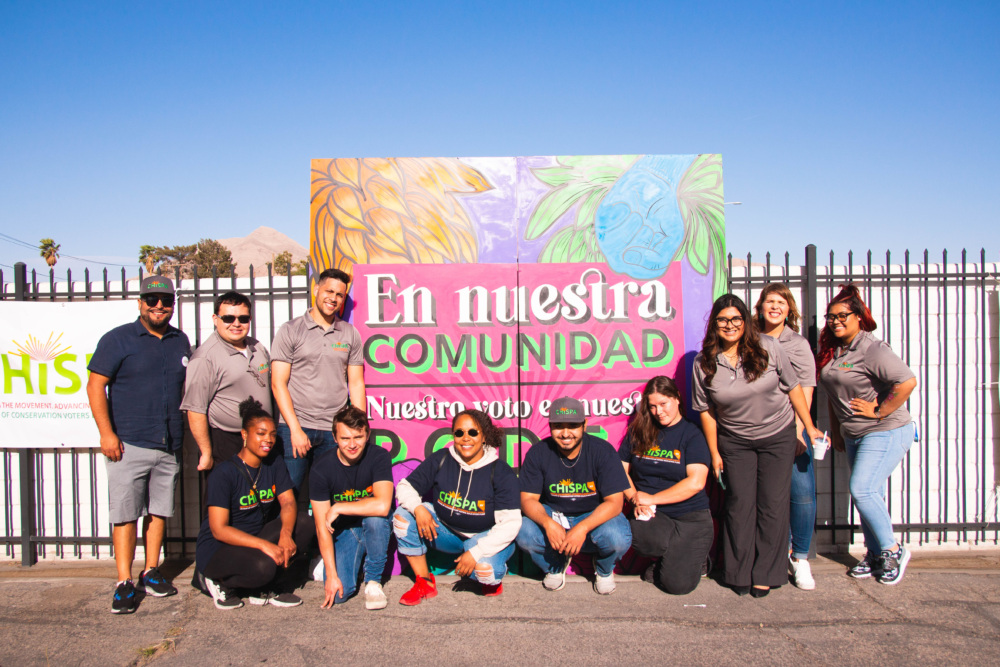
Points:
[[147, 381], [575, 487], [228, 487], [666, 462], [332, 481], [465, 500]]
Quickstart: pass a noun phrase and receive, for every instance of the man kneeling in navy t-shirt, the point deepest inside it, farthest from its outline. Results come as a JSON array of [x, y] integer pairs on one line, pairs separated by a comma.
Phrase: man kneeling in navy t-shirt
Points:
[[572, 487], [351, 493]]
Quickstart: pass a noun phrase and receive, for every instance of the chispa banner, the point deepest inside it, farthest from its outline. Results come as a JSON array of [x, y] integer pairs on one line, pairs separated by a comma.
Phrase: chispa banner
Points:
[[504, 283], [44, 351]]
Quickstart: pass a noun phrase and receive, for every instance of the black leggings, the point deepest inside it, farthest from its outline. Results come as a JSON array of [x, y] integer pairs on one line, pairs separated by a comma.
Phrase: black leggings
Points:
[[681, 545], [252, 569]]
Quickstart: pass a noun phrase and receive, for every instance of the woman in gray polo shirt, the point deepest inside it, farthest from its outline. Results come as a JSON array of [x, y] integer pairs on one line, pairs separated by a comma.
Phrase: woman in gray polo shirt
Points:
[[747, 392], [778, 317], [868, 386]]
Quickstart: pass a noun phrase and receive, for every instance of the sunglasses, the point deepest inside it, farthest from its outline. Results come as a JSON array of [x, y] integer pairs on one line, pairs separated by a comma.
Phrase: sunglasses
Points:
[[152, 299], [472, 432], [842, 317], [723, 322], [229, 319]]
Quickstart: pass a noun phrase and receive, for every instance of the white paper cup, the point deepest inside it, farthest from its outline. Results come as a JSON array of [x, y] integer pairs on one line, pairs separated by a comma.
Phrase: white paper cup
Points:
[[820, 447]]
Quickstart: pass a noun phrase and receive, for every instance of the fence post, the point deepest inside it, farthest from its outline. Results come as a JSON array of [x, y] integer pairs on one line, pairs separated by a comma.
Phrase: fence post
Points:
[[26, 457]]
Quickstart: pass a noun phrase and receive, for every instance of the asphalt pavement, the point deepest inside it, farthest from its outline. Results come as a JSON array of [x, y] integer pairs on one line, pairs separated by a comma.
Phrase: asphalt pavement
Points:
[[945, 611]]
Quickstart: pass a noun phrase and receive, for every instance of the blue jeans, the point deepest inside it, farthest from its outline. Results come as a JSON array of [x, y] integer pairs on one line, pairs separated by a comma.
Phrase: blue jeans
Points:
[[322, 441], [368, 542], [872, 459], [802, 518], [608, 542], [447, 541]]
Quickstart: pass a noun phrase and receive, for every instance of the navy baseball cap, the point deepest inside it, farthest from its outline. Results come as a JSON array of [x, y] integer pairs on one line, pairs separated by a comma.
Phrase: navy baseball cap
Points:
[[156, 285], [567, 410]]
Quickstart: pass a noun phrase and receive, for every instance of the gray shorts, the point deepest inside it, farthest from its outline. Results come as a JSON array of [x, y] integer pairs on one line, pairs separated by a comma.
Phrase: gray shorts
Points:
[[142, 482]]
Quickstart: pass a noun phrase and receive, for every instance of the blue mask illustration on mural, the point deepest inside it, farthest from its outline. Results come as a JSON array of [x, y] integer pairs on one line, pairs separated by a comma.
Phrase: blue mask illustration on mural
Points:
[[639, 225]]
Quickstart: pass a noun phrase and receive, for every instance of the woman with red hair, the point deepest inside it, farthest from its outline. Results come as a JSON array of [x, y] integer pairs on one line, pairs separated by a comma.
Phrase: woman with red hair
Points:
[[868, 386]]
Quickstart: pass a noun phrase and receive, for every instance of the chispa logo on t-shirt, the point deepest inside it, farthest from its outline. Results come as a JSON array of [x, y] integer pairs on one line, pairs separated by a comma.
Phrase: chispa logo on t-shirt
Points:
[[251, 500], [352, 495], [664, 455], [567, 488], [455, 501], [341, 347], [845, 365]]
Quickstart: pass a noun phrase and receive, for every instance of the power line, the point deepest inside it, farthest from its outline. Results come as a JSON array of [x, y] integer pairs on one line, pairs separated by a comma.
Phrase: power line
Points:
[[11, 239]]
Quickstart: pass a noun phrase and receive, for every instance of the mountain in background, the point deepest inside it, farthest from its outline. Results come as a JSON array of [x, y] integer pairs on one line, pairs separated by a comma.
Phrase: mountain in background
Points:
[[259, 249]]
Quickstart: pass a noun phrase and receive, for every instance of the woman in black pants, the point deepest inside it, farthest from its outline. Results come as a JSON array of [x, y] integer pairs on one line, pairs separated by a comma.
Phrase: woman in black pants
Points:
[[253, 529], [746, 391], [667, 460]]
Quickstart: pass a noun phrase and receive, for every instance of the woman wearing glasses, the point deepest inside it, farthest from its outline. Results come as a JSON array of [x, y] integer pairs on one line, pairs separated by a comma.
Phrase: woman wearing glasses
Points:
[[868, 386], [460, 500], [742, 386], [778, 317]]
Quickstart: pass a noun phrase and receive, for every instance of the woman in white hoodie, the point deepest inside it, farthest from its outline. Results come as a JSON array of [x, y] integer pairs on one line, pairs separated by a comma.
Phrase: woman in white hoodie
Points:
[[460, 500]]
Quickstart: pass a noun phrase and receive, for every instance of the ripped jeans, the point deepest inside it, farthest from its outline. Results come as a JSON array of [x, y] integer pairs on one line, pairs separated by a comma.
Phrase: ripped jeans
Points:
[[489, 569]]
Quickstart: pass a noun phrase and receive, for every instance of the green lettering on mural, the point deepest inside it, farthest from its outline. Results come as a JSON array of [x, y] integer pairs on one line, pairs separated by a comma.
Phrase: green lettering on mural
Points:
[[620, 348], [577, 359], [423, 362], [455, 359], [539, 350], [666, 354], [503, 359], [24, 373]]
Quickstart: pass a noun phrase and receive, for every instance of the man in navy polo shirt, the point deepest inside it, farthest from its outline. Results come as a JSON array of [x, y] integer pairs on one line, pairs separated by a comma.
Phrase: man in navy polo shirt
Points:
[[135, 385], [572, 488]]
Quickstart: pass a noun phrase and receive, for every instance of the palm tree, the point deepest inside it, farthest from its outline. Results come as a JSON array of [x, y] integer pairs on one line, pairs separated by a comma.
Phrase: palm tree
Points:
[[50, 251]]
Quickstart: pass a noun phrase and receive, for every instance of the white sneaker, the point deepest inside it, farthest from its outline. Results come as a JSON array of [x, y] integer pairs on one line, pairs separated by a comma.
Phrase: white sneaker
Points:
[[801, 574], [258, 599], [604, 585], [554, 581], [374, 596], [318, 569]]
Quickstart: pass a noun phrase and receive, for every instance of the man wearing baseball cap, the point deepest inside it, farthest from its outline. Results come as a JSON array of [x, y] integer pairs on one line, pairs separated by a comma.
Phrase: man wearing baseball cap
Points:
[[572, 488], [135, 385]]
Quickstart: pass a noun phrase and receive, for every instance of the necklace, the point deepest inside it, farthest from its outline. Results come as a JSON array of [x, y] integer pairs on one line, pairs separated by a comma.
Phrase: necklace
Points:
[[255, 479], [562, 459]]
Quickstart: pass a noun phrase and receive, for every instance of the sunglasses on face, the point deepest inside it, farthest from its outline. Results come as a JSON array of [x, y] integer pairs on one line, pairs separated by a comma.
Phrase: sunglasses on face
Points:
[[472, 432], [152, 299], [841, 317], [229, 319], [723, 322]]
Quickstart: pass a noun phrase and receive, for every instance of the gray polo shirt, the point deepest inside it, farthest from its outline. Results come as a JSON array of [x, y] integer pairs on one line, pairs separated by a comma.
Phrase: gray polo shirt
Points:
[[868, 369], [220, 377], [319, 359], [748, 410], [797, 349]]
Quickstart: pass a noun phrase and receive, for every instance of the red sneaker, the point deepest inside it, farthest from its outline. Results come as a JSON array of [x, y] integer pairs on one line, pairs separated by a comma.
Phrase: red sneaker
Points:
[[423, 589], [492, 590]]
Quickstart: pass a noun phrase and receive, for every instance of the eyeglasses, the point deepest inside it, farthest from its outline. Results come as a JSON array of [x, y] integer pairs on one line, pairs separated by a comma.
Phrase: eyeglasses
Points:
[[472, 432], [723, 322], [152, 299], [229, 319], [842, 317]]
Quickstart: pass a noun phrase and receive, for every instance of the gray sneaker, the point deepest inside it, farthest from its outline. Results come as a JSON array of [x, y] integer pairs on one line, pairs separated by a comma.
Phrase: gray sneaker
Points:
[[868, 566], [893, 566], [374, 596], [554, 581]]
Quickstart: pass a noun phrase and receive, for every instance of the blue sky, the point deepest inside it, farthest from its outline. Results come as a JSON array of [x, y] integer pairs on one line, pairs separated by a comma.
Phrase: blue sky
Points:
[[848, 125]]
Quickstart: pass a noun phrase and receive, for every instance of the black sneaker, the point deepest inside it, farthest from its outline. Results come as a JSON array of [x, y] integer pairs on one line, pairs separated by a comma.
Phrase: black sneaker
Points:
[[224, 598], [284, 600], [153, 583], [869, 565], [893, 566], [124, 600]]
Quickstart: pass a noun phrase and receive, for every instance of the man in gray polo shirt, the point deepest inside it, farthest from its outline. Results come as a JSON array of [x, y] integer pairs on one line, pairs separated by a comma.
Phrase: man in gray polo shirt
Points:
[[224, 371], [316, 365]]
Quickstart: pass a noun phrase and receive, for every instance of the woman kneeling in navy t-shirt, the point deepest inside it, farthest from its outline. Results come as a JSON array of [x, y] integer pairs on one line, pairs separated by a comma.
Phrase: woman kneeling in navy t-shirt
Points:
[[460, 500], [667, 460], [248, 539]]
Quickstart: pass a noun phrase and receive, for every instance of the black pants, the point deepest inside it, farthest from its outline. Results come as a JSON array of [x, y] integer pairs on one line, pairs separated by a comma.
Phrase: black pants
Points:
[[759, 478], [680, 543], [225, 444], [252, 569]]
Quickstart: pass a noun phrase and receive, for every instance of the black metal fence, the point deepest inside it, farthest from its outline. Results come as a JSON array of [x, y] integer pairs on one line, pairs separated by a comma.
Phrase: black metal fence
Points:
[[941, 317]]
